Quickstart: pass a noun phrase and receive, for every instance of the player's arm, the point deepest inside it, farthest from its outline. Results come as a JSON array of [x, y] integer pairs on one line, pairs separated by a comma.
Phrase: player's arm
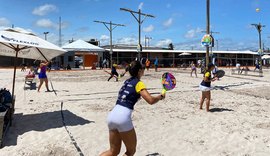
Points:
[[141, 89], [206, 76]]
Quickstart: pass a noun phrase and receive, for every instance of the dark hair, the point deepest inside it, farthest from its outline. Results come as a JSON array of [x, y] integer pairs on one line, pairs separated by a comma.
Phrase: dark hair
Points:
[[134, 68], [210, 65]]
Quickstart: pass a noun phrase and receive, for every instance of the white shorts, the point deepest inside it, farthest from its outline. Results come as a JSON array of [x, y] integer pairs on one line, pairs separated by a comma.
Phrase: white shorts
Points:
[[120, 119], [204, 88]]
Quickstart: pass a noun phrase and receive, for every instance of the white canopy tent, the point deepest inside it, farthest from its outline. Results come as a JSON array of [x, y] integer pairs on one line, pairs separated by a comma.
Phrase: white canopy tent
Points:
[[83, 48]]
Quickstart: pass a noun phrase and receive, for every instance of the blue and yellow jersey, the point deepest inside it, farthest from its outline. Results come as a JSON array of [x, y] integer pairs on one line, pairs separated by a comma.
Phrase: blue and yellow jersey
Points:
[[114, 68], [208, 76], [130, 92], [139, 86]]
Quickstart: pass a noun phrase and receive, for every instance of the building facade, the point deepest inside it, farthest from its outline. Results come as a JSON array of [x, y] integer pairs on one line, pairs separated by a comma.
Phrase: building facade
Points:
[[173, 58]]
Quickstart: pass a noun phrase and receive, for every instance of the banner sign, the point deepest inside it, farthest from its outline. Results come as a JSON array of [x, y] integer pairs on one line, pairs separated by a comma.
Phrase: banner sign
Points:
[[207, 40]]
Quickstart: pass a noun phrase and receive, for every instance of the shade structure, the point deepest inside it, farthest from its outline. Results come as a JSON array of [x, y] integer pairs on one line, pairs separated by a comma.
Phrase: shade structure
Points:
[[27, 44], [81, 45], [17, 42], [266, 57]]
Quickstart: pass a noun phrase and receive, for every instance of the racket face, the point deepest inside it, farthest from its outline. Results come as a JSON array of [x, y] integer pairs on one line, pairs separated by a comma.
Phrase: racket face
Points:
[[168, 81], [220, 73]]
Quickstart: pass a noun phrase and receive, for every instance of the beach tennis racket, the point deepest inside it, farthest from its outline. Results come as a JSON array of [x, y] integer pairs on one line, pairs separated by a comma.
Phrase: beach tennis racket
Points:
[[220, 73], [168, 82]]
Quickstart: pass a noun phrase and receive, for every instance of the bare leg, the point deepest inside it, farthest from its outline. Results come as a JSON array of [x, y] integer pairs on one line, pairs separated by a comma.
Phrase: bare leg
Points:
[[46, 84], [130, 140], [110, 77], [202, 100], [115, 144], [196, 73], [208, 98], [40, 84]]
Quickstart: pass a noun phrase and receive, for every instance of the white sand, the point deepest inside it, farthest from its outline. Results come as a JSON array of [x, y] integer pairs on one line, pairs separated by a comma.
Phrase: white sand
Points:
[[239, 125]]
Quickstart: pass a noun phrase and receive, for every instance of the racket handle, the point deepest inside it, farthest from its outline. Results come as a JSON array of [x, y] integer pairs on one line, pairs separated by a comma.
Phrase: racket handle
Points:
[[163, 92]]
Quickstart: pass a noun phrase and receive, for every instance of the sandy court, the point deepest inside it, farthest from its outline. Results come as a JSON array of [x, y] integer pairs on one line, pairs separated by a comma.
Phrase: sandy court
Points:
[[238, 124]]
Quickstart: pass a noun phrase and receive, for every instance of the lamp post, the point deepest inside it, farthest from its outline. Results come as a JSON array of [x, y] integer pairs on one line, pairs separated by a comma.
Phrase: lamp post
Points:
[[259, 29], [140, 21], [147, 39], [45, 34]]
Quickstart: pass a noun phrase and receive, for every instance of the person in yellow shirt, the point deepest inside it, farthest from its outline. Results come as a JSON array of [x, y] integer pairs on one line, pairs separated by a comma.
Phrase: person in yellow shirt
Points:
[[119, 119], [114, 72], [205, 86]]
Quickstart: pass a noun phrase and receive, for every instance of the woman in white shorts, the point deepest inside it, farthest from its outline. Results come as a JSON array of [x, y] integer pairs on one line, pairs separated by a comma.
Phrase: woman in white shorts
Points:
[[119, 119], [205, 86]]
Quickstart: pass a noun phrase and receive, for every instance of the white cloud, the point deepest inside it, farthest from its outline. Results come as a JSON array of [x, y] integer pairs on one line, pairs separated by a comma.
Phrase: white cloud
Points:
[[164, 43], [44, 9], [4, 21], [104, 40], [104, 37], [83, 29], [140, 6], [63, 25], [189, 45], [149, 28], [223, 44], [127, 40], [193, 33], [45, 23], [168, 23]]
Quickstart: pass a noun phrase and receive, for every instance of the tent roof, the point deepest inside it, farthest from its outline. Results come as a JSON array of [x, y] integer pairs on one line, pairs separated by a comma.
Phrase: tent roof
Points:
[[81, 45], [27, 45]]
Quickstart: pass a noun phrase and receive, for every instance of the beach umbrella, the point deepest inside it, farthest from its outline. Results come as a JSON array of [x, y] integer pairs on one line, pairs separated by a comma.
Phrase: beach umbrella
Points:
[[266, 57], [184, 53], [17, 42]]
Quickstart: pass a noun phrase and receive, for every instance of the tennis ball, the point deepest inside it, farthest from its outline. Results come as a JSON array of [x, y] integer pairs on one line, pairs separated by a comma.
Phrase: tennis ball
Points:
[[257, 10]]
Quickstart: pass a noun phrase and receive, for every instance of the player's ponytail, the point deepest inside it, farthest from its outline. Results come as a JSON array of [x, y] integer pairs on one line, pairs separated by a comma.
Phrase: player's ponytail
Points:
[[134, 68]]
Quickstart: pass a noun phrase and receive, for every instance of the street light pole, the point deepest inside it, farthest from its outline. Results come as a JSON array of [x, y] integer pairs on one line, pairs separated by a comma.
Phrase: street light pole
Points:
[[139, 48], [144, 42], [45, 33], [259, 28], [110, 28], [147, 39]]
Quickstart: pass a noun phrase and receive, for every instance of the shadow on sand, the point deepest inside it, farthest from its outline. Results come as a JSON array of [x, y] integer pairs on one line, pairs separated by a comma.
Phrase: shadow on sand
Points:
[[220, 110], [153, 154], [226, 87], [40, 122]]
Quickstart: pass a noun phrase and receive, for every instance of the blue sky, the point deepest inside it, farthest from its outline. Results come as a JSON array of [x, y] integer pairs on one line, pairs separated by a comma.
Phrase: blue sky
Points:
[[180, 22]]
